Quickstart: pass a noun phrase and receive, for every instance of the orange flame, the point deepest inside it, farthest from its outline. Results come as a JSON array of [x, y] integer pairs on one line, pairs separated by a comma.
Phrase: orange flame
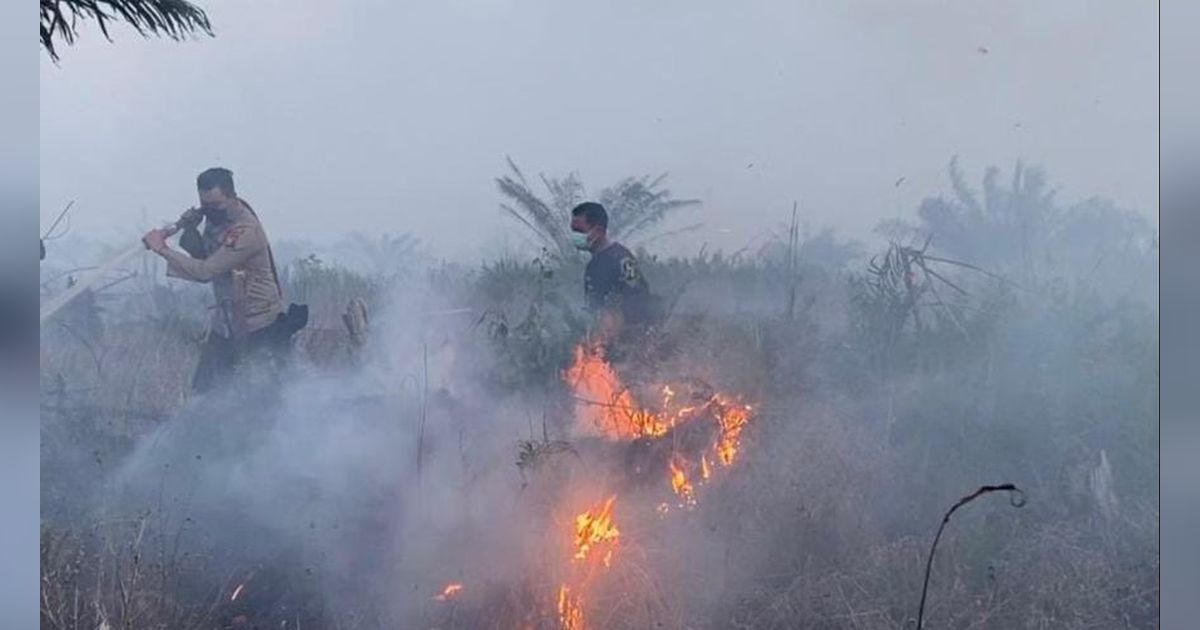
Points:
[[605, 403], [570, 609], [595, 529], [680, 483], [605, 407], [732, 418], [451, 590]]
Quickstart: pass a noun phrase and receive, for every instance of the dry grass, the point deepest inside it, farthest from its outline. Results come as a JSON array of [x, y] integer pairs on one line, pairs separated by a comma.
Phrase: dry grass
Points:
[[824, 522]]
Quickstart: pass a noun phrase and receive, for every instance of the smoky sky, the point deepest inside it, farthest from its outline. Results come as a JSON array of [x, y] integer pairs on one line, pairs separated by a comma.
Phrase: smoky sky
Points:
[[397, 116]]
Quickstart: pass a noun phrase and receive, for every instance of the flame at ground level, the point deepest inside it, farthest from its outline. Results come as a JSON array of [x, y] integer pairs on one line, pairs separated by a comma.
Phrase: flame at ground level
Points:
[[604, 404], [451, 590], [595, 529], [570, 609], [704, 431], [732, 417], [680, 483]]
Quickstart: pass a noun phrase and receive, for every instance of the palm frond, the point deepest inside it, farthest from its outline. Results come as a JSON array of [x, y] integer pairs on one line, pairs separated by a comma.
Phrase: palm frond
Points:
[[962, 190], [533, 211], [635, 206], [164, 18], [529, 224]]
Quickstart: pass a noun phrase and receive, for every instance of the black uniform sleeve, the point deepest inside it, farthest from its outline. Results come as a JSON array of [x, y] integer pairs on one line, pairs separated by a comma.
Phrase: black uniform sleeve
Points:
[[191, 242]]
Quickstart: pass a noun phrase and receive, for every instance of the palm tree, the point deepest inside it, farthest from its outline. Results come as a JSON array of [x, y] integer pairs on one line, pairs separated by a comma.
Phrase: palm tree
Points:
[[1003, 229], [636, 205], [1021, 230], [387, 255], [170, 18]]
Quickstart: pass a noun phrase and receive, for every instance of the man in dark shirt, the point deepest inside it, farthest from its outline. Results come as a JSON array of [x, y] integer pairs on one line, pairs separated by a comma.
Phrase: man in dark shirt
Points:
[[617, 293]]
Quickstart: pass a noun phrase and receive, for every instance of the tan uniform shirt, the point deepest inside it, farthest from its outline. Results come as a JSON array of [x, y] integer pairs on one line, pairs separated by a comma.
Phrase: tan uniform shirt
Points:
[[239, 266]]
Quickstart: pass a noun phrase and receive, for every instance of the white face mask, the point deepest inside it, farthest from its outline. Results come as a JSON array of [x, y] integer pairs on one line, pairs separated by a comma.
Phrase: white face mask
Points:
[[580, 240]]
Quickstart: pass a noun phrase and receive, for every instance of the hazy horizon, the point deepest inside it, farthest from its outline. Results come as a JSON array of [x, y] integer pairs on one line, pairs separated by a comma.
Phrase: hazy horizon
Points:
[[380, 117]]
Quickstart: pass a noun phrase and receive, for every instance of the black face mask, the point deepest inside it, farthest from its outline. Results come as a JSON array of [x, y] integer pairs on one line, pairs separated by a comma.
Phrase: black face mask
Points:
[[214, 214]]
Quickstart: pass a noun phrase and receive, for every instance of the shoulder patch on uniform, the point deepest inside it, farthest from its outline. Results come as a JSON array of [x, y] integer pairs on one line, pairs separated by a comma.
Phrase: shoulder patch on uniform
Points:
[[233, 234], [629, 270]]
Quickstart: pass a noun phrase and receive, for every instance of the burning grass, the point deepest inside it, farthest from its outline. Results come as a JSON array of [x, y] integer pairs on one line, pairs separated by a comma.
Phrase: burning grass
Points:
[[595, 531], [692, 428], [703, 424], [605, 495], [449, 592], [702, 509]]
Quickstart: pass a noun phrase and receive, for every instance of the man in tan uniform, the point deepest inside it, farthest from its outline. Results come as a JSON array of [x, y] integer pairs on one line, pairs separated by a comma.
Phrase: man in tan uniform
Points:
[[234, 256]]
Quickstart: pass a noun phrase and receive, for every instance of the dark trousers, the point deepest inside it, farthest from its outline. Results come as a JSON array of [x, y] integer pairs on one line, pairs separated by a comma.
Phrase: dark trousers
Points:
[[220, 356]]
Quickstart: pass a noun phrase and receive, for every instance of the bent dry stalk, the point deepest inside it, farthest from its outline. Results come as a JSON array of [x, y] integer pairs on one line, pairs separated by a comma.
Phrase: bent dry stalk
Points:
[[1016, 499]]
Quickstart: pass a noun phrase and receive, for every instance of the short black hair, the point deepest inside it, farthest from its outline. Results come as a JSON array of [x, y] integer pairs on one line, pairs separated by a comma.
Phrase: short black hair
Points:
[[216, 177], [594, 212]]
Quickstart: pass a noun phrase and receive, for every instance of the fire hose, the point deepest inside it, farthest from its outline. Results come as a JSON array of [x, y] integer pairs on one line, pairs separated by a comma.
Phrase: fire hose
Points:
[[54, 304]]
